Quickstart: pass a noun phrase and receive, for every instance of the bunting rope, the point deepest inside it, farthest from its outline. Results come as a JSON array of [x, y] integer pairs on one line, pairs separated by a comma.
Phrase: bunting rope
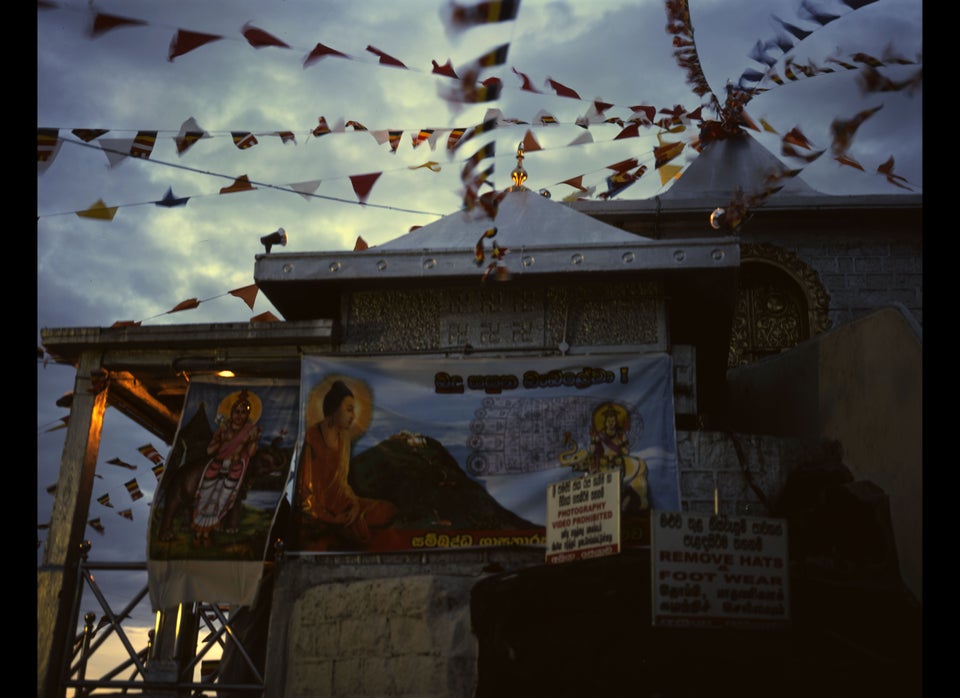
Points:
[[460, 18]]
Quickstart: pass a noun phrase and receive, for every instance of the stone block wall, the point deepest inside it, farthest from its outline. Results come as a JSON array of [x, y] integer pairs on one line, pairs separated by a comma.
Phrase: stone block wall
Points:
[[400, 636]]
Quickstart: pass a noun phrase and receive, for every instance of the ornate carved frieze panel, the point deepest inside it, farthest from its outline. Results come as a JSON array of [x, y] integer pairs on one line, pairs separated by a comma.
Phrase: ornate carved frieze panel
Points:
[[505, 317]]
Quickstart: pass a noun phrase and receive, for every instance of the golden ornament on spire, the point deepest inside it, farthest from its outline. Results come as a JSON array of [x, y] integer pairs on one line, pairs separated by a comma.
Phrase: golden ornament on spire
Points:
[[519, 175]]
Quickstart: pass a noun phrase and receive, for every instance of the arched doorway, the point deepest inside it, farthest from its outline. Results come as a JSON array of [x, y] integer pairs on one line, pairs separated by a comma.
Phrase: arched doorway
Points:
[[780, 303]]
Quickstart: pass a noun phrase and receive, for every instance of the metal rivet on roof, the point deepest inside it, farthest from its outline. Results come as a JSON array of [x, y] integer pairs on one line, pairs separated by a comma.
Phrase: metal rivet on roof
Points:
[[628, 257], [429, 263], [334, 267], [381, 265], [679, 256], [717, 255], [576, 259], [528, 261], [287, 268]]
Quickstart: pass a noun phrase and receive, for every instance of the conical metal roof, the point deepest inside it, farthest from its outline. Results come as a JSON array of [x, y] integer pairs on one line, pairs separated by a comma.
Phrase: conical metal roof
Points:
[[732, 162], [524, 219]]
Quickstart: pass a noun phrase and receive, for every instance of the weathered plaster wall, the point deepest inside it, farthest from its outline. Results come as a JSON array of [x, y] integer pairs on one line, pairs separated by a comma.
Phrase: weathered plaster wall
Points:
[[861, 385]]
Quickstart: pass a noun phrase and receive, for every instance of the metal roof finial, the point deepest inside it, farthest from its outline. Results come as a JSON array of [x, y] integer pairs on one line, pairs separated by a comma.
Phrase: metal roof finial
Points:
[[519, 175]]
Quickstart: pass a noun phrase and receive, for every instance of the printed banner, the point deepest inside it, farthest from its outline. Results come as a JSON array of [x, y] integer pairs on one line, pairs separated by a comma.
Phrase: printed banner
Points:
[[411, 454], [220, 492]]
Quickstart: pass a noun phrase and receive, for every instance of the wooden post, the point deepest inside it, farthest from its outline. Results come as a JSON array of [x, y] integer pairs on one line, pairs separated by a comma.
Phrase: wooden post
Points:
[[58, 575]]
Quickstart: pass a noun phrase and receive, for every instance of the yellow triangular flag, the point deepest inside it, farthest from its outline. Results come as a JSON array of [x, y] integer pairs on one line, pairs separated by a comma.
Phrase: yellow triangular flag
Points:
[[99, 210], [668, 172]]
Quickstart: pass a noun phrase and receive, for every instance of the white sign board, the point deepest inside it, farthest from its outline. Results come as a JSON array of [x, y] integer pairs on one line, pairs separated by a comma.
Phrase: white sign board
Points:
[[583, 517], [713, 570]]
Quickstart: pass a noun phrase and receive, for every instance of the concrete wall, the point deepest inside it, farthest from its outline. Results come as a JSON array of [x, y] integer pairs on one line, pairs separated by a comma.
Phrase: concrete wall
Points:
[[862, 385]]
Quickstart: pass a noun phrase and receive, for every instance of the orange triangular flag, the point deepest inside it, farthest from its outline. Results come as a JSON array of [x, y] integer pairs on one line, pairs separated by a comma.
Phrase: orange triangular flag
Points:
[[185, 41], [530, 142], [265, 317], [100, 211], [362, 184], [184, 305], [847, 160], [242, 183], [796, 137], [248, 294], [360, 245]]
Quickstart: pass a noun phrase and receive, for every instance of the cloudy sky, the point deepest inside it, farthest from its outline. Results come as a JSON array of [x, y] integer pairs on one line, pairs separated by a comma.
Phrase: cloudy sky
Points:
[[92, 272]]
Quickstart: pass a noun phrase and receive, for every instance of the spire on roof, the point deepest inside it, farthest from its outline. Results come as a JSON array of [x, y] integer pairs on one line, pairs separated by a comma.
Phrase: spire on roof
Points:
[[519, 175]]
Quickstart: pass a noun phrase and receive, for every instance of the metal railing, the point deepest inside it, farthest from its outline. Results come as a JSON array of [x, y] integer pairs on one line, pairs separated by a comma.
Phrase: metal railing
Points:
[[103, 657]]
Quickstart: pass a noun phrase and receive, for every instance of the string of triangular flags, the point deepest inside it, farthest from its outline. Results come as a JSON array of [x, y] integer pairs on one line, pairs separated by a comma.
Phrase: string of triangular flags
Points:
[[142, 145], [248, 294], [361, 183], [458, 18], [48, 142], [131, 488], [811, 17]]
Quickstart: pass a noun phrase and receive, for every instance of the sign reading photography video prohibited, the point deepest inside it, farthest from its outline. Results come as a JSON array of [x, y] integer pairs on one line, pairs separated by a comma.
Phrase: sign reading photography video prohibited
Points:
[[711, 570], [583, 517]]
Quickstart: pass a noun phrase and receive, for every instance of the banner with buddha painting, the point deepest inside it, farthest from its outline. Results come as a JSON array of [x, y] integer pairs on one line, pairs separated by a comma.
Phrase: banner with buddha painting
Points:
[[414, 454], [221, 491]]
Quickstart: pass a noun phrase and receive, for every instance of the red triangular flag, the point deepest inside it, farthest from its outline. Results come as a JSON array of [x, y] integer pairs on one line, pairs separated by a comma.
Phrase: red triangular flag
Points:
[[185, 41], [320, 51], [259, 38], [527, 83], [624, 165], [631, 131], [562, 90], [445, 69], [266, 316], [362, 184], [103, 23], [384, 58]]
